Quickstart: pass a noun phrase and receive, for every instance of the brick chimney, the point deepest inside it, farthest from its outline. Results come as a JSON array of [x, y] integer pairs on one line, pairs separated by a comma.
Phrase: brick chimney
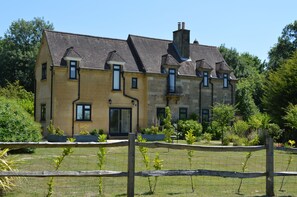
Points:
[[181, 40]]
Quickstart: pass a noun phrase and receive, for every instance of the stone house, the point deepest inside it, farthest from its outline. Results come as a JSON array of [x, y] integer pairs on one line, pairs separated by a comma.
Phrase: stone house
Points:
[[121, 86]]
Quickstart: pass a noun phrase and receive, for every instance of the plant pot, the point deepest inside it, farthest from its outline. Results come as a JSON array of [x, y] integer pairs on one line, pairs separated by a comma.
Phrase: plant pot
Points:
[[56, 138], [86, 138], [153, 137]]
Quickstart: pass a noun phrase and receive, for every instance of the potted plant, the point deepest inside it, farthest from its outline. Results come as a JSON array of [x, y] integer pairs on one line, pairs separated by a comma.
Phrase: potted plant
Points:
[[55, 134], [152, 134], [86, 136]]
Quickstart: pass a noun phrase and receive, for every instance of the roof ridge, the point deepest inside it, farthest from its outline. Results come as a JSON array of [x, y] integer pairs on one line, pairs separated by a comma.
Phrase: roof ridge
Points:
[[159, 39], [84, 35]]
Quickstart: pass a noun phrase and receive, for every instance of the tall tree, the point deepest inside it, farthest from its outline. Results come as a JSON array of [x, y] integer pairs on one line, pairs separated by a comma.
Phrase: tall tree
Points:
[[285, 47], [280, 89], [248, 69], [18, 51]]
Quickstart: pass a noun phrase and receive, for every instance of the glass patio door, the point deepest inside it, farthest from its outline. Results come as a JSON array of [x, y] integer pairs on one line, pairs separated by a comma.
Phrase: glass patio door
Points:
[[119, 121]]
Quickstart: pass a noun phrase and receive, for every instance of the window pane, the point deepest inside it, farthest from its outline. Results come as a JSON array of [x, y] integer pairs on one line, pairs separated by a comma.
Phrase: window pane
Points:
[[171, 80], [183, 115], [114, 126], [72, 72], [225, 82], [79, 112], [125, 121], [205, 79], [87, 115], [134, 82], [116, 79]]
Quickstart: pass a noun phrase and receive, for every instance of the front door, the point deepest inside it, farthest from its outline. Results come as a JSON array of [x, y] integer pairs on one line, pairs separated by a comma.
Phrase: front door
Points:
[[119, 121]]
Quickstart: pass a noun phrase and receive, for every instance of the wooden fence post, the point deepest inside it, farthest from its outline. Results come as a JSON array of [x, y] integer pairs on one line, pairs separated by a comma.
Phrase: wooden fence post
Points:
[[269, 167], [131, 165]]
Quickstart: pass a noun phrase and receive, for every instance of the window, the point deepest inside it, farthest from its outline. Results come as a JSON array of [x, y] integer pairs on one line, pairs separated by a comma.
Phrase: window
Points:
[[205, 115], [225, 80], [116, 83], [183, 113], [43, 71], [43, 112], [205, 79], [72, 71], [134, 83], [171, 80], [83, 112], [161, 114], [120, 121]]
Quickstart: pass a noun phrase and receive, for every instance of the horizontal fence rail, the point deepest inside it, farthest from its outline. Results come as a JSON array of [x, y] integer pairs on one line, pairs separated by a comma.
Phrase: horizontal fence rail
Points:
[[131, 161]]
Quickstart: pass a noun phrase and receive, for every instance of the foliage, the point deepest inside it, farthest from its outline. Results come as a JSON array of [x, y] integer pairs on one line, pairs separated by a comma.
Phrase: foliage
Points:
[[243, 169], [17, 92], [223, 114], [54, 131], [190, 139], [193, 116], [6, 183], [17, 125], [183, 126], [94, 132], [152, 130], [158, 164], [57, 163], [207, 137], [101, 160], [240, 127], [168, 129], [214, 130], [285, 46], [18, 51], [280, 90], [291, 116], [290, 144], [145, 159]]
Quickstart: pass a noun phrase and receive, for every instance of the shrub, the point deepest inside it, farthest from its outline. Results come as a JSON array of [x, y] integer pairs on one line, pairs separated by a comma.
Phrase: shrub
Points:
[[184, 126], [207, 137], [17, 125], [152, 130], [240, 127], [94, 132], [54, 131]]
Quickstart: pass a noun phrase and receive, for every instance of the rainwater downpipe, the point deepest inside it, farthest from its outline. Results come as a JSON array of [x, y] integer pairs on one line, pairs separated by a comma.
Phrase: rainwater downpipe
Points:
[[52, 84], [200, 98], [128, 96], [232, 93], [211, 97], [73, 102]]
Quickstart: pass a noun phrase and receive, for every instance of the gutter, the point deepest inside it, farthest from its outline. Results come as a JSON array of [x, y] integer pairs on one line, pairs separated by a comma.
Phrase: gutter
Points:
[[128, 96], [232, 92], [52, 82], [74, 101]]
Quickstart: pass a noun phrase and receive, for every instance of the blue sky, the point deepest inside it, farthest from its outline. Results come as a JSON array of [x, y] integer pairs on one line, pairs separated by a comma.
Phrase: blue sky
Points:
[[248, 25]]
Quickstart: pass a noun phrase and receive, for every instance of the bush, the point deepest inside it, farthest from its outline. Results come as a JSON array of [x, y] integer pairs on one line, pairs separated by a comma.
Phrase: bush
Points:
[[94, 132], [214, 129], [54, 131], [183, 126], [240, 127], [152, 130], [17, 125], [207, 137]]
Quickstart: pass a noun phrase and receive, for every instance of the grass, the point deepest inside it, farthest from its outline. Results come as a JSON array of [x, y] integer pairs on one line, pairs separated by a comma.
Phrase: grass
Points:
[[86, 159]]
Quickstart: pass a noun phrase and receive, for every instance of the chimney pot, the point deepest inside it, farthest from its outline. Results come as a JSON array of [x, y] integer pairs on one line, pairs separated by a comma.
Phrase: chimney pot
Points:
[[183, 25], [178, 25]]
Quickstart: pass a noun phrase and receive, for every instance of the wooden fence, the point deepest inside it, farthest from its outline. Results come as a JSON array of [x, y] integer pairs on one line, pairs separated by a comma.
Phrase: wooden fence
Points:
[[130, 174]]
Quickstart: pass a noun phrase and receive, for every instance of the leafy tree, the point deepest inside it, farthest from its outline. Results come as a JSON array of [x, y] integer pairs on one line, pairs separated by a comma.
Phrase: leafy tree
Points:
[[16, 125], [223, 114], [291, 116], [18, 51], [280, 90], [285, 47], [17, 92]]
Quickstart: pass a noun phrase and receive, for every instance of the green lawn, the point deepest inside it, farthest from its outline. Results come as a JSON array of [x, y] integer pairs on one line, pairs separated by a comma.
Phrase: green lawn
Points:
[[86, 159]]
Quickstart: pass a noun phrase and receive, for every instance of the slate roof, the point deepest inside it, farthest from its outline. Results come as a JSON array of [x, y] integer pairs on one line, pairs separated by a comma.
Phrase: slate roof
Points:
[[94, 51], [140, 54]]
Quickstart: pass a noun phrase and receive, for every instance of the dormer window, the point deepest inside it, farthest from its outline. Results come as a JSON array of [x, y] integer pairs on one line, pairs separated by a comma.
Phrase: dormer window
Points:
[[205, 79], [225, 80], [73, 70], [116, 82], [172, 80]]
